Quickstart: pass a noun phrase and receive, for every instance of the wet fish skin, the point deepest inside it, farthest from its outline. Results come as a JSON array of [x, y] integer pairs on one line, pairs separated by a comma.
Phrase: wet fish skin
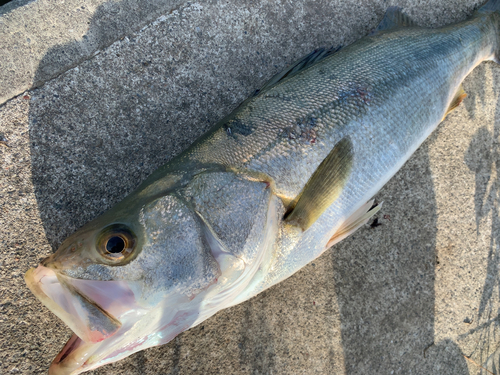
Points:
[[216, 225]]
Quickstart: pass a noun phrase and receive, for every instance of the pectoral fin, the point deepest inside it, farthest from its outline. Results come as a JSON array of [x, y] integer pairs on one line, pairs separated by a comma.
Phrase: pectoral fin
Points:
[[354, 222], [324, 186]]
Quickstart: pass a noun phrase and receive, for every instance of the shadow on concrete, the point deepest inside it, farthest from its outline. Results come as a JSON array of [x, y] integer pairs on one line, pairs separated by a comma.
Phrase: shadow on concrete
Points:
[[386, 293], [82, 167], [111, 20], [483, 159], [257, 348]]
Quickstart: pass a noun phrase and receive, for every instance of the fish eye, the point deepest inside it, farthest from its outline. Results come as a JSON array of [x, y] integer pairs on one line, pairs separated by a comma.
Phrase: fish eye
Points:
[[115, 245], [116, 242]]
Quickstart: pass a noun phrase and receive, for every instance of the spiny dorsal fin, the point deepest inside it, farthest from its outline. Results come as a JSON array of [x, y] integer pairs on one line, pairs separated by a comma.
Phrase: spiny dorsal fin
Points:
[[299, 65], [460, 95], [324, 186], [393, 19], [354, 222]]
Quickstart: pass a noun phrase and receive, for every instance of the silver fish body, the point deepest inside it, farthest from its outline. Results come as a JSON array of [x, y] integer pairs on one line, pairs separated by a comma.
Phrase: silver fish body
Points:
[[265, 192]]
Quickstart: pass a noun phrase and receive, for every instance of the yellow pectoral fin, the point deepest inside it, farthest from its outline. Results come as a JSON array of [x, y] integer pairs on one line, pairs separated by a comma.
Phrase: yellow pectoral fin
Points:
[[324, 186]]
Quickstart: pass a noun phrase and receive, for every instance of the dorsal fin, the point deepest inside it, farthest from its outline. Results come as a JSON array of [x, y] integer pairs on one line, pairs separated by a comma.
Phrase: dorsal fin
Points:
[[393, 19], [324, 186], [490, 6], [303, 63]]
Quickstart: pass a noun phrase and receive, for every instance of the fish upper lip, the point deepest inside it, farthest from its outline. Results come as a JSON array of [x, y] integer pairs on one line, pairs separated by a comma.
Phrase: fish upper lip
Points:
[[96, 317], [66, 300], [78, 311]]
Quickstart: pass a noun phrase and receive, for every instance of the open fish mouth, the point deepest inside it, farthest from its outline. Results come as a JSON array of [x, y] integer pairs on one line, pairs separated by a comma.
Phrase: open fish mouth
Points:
[[96, 311]]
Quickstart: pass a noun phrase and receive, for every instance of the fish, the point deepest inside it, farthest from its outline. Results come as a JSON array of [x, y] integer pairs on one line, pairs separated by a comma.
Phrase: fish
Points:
[[284, 177]]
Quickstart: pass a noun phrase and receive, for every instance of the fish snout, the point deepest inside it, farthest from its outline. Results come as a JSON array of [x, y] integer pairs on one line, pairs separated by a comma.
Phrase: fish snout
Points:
[[84, 316]]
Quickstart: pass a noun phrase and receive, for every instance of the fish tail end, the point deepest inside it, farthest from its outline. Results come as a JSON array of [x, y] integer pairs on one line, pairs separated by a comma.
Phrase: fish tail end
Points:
[[490, 6]]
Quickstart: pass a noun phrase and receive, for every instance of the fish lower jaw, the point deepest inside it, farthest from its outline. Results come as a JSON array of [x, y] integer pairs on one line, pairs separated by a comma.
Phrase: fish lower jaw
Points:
[[85, 307], [72, 358]]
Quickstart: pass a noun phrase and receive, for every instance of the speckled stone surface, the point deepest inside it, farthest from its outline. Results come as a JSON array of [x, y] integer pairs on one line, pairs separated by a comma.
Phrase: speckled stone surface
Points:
[[40, 39], [415, 295]]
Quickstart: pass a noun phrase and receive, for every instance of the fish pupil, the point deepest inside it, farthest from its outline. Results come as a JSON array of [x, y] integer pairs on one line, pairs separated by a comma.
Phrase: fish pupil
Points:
[[115, 245]]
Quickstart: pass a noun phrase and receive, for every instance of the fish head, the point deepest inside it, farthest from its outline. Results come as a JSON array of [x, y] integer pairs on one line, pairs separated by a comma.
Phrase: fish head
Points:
[[126, 281], [145, 271]]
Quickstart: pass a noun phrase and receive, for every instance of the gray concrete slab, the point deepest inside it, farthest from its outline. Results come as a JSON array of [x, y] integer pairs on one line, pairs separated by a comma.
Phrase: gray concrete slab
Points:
[[412, 296], [41, 39]]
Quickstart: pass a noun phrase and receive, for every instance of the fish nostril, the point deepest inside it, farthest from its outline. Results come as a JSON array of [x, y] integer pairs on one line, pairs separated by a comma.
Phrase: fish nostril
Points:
[[46, 261]]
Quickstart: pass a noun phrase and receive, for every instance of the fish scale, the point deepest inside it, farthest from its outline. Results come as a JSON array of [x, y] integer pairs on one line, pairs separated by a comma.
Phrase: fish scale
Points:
[[364, 99]]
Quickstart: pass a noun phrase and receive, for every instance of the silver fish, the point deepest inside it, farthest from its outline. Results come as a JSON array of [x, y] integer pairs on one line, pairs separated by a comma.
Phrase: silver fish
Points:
[[273, 185]]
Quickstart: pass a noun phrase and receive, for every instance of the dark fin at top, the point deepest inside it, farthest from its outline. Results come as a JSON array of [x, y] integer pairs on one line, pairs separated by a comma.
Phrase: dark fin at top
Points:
[[393, 19], [324, 186], [299, 65], [490, 6]]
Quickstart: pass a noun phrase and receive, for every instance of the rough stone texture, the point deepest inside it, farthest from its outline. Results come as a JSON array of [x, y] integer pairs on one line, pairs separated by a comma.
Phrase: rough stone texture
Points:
[[41, 39], [412, 296]]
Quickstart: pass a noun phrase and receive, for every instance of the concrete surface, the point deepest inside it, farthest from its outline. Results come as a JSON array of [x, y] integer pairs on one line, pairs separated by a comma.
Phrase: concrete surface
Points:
[[41, 39], [415, 295]]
